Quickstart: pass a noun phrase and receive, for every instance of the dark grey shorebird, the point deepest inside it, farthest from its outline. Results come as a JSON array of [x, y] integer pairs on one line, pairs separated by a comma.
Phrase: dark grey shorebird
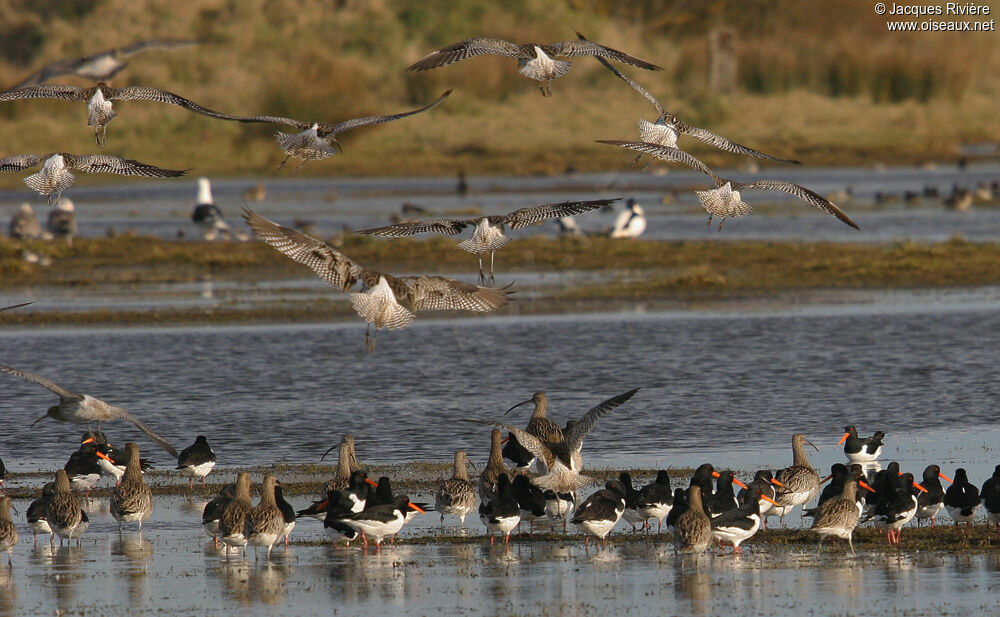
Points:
[[384, 301], [488, 234], [83, 408], [535, 60]]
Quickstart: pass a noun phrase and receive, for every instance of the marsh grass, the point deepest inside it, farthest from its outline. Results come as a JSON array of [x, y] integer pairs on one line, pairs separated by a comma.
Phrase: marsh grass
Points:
[[819, 97]]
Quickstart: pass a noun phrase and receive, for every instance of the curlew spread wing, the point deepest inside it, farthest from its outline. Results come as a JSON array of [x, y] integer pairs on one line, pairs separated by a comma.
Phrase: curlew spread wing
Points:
[[327, 262], [141, 93], [531, 443], [569, 49], [357, 123], [65, 93], [108, 164], [437, 293], [163, 443], [42, 381], [19, 162], [649, 97], [399, 230], [802, 193], [466, 49], [664, 153], [573, 437], [526, 216], [723, 143], [14, 306]]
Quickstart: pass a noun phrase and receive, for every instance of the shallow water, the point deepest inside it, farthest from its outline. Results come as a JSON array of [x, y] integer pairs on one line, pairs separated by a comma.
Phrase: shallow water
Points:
[[164, 208], [173, 569]]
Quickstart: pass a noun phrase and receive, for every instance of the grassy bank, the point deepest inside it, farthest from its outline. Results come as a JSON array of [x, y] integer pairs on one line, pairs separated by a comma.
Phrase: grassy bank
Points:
[[860, 95]]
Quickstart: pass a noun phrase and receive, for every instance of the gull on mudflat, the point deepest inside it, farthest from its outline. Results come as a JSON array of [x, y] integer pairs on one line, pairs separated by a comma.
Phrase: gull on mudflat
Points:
[[318, 140], [488, 235], [384, 300], [725, 200], [535, 60], [55, 175], [669, 127]]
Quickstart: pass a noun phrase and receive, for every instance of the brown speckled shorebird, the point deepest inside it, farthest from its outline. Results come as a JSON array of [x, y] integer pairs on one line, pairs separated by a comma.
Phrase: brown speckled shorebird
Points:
[[839, 516], [456, 495], [488, 235], [83, 408], [8, 531], [535, 60], [100, 110], [233, 519], [100, 66], [265, 523], [562, 459], [668, 127], [64, 515], [725, 200], [347, 462], [693, 528], [799, 484], [55, 175], [495, 468], [385, 301], [539, 425], [132, 501], [318, 140]]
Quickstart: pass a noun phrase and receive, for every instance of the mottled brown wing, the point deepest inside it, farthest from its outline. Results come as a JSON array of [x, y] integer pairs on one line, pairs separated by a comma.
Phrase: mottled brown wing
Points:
[[649, 97], [141, 93], [530, 442], [399, 230], [42, 381], [327, 262], [65, 93], [573, 436], [526, 216], [437, 293], [19, 162], [666, 153], [140, 46], [723, 143], [163, 443], [105, 163], [466, 49], [356, 123], [802, 193], [570, 49]]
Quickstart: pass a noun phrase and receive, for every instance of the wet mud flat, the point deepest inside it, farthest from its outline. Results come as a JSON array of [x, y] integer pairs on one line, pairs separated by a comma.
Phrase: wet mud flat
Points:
[[173, 568]]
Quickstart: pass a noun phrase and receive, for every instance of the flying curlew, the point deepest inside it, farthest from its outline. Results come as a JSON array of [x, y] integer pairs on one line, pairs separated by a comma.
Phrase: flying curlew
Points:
[[385, 301], [535, 60], [488, 235]]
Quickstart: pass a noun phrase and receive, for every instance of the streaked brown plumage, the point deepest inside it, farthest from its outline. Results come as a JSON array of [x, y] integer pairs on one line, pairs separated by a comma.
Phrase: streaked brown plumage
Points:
[[839, 516], [316, 140], [456, 495], [233, 519], [98, 98], [8, 531], [64, 515], [265, 523], [83, 408], [539, 425], [727, 202], [800, 482], [385, 301], [693, 529], [347, 462], [495, 468], [132, 501], [535, 60]]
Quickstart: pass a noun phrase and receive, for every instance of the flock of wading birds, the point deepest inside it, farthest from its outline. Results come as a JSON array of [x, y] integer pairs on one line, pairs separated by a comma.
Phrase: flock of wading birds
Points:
[[350, 508], [384, 300]]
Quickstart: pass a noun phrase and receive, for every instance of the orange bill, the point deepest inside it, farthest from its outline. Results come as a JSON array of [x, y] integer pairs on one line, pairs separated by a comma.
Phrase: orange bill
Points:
[[919, 487], [505, 440], [716, 474], [950, 481], [417, 508], [105, 457], [770, 501], [865, 486], [775, 482], [844, 438], [371, 482], [737, 482], [87, 440], [826, 479]]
